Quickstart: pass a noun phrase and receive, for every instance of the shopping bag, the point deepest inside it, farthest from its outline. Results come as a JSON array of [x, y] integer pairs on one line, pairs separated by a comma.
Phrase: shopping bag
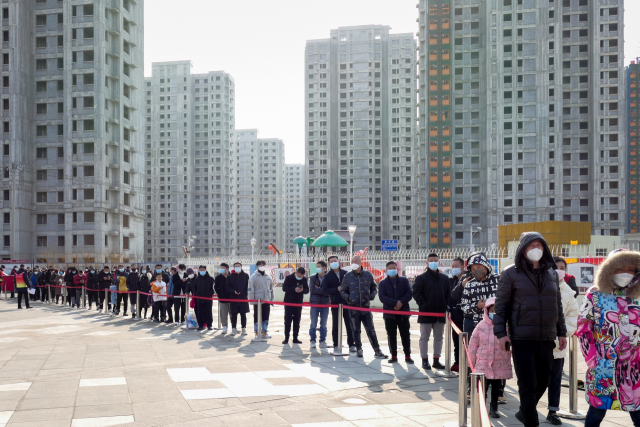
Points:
[[191, 323], [192, 304]]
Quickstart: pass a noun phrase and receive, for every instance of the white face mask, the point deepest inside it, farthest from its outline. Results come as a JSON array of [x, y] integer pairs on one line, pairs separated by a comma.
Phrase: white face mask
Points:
[[561, 274], [534, 254], [191, 276], [622, 279], [354, 267], [261, 268]]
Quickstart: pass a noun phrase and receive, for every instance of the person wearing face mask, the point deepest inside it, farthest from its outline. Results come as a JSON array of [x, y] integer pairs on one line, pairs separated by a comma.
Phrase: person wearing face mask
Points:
[[571, 311], [455, 309], [395, 293], [431, 292], [179, 282], [203, 285], [93, 285], [481, 285], [121, 283], [79, 280], [332, 285], [145, 286], [570, 280], [238, 289], [105, 279], [609, 330], [528, 314], [295, 286], [133, 285], [318, 296], [220, 287], [261, 287], [359, 289]]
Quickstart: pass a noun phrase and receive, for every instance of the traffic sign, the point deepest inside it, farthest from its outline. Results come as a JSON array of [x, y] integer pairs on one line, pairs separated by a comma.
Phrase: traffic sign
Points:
[[389, 245]]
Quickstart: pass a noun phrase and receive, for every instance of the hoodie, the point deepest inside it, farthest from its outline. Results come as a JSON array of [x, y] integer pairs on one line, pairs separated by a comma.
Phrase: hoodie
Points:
[[484, 349], [476, 290]]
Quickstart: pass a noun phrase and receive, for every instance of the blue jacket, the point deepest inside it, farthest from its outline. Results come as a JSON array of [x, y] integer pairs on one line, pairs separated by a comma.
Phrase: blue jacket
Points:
[[359, 289], [390, 291], [318, 295], [330, 286]]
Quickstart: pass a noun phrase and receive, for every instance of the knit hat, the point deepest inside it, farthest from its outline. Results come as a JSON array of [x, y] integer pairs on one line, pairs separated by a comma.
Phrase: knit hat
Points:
[[190, 271]]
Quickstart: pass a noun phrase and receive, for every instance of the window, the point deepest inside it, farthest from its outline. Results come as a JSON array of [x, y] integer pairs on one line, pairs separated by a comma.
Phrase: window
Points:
[[41, 175], [41, 219], [41, 153], [87, 56], [41, 108], [88, 194], [87, 10], [41, 42], [87, 33], [88, 125], [41, 19], [88, 170], [41, 241], [90, 240], [89, 217]]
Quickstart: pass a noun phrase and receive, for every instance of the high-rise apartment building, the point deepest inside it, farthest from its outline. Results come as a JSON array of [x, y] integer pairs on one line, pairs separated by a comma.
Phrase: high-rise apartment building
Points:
[[259, 193], [360, 94], [294, 194], [72, 158], [633, 154], [524, 116], [190, 175]]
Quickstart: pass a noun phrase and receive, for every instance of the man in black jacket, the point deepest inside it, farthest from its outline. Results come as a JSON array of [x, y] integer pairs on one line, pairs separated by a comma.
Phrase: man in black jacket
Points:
[[431, 292], [528, 301], [220, 286], [457, 316], [295, 287], [133, 280], [179, 281], [203, 284], [105, 279], [332, 285], [238, 289]]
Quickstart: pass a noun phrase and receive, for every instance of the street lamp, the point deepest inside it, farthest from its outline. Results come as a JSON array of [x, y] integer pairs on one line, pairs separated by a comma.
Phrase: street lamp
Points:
[[471, 247], [253, 246], [352, 232]]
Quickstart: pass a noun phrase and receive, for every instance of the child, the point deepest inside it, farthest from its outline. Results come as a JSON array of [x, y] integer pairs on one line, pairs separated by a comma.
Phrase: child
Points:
[[487, 357], [159, 289]]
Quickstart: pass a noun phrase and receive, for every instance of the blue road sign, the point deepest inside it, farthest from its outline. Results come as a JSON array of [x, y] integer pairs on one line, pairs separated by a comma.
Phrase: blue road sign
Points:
[[390, 245]]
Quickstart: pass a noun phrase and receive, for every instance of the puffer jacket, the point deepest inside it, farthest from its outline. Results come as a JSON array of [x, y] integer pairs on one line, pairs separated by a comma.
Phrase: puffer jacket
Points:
[[484, 349], [133, 281], [431, 292], [203, 285], [608, 329], [571, 311], [530, 304], [476, 290], [260, 287], [359, 289], [104, 280], [121, 281], [318, 294], [392, 291], [80, 279]]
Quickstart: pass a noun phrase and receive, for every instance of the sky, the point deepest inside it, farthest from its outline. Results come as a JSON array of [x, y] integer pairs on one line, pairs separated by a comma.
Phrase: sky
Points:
[[261, 44]]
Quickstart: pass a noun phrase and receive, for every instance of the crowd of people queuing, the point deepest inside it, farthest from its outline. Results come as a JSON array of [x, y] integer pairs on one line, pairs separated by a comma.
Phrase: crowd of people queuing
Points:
[[523, 315]]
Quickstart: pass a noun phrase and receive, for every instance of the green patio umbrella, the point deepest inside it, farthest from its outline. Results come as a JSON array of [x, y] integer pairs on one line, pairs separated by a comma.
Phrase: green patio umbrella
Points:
[[329, 239], [299, 241]]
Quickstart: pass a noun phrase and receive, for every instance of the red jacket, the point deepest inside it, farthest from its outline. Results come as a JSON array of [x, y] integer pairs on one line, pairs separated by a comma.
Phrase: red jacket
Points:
[[80, 279]]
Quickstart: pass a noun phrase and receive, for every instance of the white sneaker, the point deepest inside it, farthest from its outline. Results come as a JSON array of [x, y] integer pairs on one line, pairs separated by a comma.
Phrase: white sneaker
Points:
[[323, 344], [313, 344], [244, 331], [265, 336], [234, 331], [100, 311], [336, 349], [224, 330], [176, 323]]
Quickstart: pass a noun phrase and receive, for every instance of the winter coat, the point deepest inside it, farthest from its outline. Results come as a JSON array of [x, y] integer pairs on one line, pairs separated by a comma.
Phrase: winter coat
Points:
[[92, 281], [220, 287], [238, 282], [104, 280], [159, 291], [431, 292], [484, 349], [203, 285], [179, 284], [571, 281], [133, 281], [144, 283], [121, 281], [359, 289], [609, 333], [260, 287], [316, 288], [455, 309], [331, 283], [530, 303], [392, 290], [571, 311], [289, 287], [476, 290], [80, 279]]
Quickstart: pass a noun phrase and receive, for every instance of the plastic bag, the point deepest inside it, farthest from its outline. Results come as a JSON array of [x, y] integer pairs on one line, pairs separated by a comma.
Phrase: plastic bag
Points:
[[192, 303], [192, 323], [31, 291]]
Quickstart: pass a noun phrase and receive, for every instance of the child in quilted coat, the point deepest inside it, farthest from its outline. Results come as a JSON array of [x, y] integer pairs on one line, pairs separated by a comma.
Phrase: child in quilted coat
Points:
[[486, 356]]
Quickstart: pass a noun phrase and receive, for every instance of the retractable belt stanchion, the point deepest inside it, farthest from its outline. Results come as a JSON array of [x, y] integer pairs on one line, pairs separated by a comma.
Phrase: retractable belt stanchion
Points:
[[573, 413], [219, 323], [106, 301], [476, 420], [462, 385], [48, 293], [84, 297], [258, 309], [339, 343], [447, 350], [138, 305]]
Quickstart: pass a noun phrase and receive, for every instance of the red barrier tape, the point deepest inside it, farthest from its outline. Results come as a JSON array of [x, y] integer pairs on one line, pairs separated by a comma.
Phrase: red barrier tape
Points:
[[454, 327], [466, 350]]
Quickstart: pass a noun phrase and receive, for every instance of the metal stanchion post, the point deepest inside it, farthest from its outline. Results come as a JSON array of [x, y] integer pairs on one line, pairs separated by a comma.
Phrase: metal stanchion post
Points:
[[138, 305], [447, 349], [219, 323], [258, 309], [48, 294], [476, 420], [106, 301], [339, 352], [573, 413], [462, 385], [84, 297], [186, 311]]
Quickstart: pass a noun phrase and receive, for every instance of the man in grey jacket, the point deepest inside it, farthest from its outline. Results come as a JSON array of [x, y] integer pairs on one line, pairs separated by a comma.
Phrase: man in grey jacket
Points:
[[261, 287], [359, 289]]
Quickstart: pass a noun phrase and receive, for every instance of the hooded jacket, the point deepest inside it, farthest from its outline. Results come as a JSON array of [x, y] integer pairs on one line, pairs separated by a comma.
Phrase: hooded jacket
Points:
[[203, 285], [104, 280], [133, 281], [289, 287], [431, 292], [238, 282], [527, 300], [318, 294], [260, 287], [484, 349], [476, 290], [609, 333]]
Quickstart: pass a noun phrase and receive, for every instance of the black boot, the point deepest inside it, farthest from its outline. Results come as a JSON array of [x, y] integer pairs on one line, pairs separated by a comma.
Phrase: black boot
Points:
[[425, 364], [493, 410]]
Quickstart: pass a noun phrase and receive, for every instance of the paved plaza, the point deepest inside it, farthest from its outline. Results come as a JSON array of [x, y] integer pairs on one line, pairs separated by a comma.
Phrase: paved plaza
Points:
[[64, 367]]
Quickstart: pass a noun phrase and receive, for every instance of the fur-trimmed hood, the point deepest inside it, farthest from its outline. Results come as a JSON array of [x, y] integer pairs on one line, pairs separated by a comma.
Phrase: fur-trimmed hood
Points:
[[604, 276]]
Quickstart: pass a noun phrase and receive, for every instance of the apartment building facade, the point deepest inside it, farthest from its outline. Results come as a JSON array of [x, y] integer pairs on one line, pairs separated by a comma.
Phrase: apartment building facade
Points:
[[72, 143], [535, 115], [294, 192], [633, 157], [189, 148], [360, 111]]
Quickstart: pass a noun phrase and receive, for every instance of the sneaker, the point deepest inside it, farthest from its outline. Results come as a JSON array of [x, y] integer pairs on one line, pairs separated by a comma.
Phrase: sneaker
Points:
[[209, 328], [501, 400], [312, 344], [224, 331], [437, 364], [408, 360], [296, 341], [456, 368], [353, 349], [360, 354], [244, 331], [393, 359], [336, 350], [234, 331], [519, 417], [200, 328], [265, 336], [125, 315], [553, 418], [100, 311], [425, 365], [176, 323], [380, 355], [323, 344]]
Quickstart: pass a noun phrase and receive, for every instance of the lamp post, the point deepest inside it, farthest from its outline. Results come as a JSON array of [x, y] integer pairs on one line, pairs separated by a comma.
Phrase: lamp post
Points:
[[253, 246], [471, 247], [352, 232]]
